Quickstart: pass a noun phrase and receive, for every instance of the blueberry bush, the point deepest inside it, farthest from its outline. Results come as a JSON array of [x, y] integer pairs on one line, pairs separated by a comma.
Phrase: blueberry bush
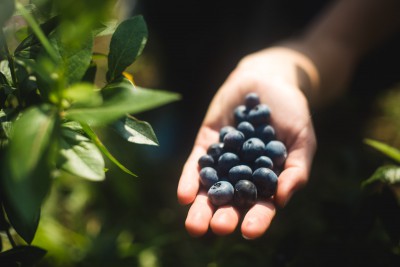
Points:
[[53, 99]]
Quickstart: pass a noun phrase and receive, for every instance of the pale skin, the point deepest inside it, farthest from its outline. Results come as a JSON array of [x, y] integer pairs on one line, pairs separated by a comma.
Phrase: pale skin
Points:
[[308, 70]]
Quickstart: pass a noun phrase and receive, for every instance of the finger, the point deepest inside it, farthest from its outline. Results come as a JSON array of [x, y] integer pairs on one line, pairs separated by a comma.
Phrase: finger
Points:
[[225, 220], [199, 216], [297, 168], [189, 181], [257, 220], [290, 180]]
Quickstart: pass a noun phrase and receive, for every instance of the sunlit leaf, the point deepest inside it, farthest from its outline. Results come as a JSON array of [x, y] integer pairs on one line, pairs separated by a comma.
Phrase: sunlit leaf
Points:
[[126, 45], [75, 58], [107, 28], [84, 94], [79, 156], [27, 165], [7, 8], [5, 70], [136, 131], [387, 150], [121, 98], [389, 174], [104, 149]]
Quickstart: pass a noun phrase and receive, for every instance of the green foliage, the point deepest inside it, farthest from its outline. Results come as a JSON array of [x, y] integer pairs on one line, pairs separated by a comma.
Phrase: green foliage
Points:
[[126, 45], [384, 185], [387, 150], [50, 104]]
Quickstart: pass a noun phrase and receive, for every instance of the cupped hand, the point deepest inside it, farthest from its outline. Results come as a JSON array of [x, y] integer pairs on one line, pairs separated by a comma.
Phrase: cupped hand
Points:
[[273, 75]]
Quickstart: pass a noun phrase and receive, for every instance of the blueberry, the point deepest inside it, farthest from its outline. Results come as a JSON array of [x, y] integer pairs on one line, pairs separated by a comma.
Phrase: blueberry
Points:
[[263, 162], [224, 130], [265, 132], [259, 114], [246, 128], [251, 100], [240, 172], [276, 151], [221, 193], [266, 181], [245, 194], [226, 161], [240, 114], [233, 141], [215, 150], [252, 149], [208, 176], [206, 161]]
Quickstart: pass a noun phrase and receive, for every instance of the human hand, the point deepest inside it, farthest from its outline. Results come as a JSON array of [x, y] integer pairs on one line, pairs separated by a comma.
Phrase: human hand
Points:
[[273, 75]]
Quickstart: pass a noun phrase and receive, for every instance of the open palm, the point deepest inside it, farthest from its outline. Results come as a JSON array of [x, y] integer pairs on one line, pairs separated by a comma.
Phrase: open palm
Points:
[[290, 116]]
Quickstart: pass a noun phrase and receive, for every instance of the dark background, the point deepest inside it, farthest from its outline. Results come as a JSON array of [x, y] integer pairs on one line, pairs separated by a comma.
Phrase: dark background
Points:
[[192, 48]]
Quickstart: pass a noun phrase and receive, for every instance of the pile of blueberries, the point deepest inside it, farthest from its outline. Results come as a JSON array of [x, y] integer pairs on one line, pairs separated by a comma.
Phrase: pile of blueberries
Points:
[[244, 165]]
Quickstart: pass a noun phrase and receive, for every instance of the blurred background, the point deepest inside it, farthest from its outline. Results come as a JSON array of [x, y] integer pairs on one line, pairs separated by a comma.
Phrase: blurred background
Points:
[[192, 48]]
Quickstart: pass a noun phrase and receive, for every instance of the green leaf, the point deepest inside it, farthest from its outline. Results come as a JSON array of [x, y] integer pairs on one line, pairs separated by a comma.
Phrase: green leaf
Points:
[[22, 256], [127, 43], [3, 79], [79, 156], [30, 20], [75, 57], [136, 131], [5, 70], [83, 94], [103, 149], [121, 98], [107, 28], [387, 150], [30, 47], [389, 174], [27, 167], [7, 8]]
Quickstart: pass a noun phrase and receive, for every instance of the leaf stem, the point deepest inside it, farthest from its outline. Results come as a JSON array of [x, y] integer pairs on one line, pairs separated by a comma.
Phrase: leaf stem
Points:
[[9, 236], [37, 31], [93, 136]]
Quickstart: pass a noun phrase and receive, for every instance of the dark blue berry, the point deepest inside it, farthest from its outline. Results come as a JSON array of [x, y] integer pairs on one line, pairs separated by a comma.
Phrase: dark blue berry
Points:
[[240, 172], [233, 141], [265, 132], [263, 162], [221, 193], [259, 114], [276, 151], [240, 114], [224, 130], [208, 176], [266, 182], [245, 194], [206, 161], [215, 150], [251, 100], [226, 161], [252, 149], [246, 128]]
